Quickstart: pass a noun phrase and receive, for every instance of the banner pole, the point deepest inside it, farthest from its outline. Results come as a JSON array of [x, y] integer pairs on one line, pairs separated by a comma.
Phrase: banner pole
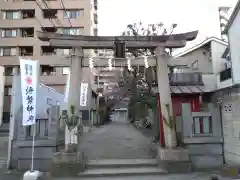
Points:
[[33, 146]]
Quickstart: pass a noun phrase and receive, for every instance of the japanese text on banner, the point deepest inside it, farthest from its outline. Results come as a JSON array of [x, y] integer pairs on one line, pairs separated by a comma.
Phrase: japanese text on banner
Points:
[[83, 94], [29, 73]]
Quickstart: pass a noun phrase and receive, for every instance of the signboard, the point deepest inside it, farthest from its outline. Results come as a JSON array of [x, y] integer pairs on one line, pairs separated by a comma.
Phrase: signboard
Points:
[[83, 94], [29, 84]]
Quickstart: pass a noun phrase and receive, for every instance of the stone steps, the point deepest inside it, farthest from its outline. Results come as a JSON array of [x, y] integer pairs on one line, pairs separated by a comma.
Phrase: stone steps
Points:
[[122, 167], [118, 163]]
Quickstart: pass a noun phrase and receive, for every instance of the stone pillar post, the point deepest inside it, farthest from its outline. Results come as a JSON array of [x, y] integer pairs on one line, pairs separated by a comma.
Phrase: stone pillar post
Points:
[[165, 96], [74, 92]]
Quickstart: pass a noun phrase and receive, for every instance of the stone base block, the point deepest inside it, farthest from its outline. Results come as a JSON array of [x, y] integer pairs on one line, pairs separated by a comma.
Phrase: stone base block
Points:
[[174, 160], [178, 154], [68, 164], [230, 171]]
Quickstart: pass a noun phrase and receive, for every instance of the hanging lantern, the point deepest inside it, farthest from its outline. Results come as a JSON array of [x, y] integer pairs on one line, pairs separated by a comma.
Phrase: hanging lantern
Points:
[[129, 64], [90, 62], [146, 62], [110, 64]]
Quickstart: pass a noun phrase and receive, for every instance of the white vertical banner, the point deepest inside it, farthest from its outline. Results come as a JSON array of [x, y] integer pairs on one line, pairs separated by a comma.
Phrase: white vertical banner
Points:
[[29, 84], [83, 94]]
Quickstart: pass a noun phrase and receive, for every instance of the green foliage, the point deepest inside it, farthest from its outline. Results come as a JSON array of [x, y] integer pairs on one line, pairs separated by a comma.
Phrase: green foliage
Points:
[[170, 121]]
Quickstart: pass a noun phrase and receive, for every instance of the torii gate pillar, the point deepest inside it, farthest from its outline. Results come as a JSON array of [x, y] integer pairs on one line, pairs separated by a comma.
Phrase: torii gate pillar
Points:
[[74, 92], [165, 96]]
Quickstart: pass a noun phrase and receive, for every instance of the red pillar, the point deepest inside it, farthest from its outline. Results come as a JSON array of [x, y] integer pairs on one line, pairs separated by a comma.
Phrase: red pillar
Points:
[[161, 131]]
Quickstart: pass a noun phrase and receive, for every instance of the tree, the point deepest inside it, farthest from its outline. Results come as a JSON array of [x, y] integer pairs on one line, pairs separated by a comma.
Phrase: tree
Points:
[[138, 29], [142, 95]]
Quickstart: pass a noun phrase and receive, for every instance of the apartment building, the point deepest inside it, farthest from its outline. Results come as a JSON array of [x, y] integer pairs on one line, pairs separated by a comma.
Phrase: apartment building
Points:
[[19, 22]]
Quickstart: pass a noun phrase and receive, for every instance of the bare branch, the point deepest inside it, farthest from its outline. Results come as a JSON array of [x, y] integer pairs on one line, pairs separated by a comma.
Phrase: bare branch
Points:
[[138, 29]]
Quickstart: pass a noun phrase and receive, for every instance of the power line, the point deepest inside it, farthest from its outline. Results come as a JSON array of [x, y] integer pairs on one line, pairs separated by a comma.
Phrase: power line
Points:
[[48, 9], [66, 13]]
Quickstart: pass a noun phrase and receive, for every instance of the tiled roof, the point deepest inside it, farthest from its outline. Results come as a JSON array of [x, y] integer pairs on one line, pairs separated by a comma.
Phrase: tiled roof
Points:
[[186, 89]]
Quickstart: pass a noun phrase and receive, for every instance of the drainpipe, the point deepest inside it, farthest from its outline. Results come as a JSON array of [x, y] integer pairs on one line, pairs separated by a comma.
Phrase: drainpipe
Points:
[[221, 122]]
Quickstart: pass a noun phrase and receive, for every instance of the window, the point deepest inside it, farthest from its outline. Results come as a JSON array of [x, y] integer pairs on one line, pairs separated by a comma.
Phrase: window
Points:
[[49, 101], [195, 65], [8, 51], [66, 70], [225, 75], [202, 125], [12, 15], [73, 14], [8, 33], [47, 70], [181, 69], [27, 14], [27, 32], [73, 31], [7, 91], [8, 71]]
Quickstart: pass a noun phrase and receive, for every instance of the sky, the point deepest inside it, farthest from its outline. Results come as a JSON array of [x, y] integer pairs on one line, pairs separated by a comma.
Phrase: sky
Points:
[[190, 15]]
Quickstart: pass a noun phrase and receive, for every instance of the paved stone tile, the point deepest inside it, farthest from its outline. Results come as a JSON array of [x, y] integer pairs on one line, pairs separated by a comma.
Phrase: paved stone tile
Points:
[[116, 140]]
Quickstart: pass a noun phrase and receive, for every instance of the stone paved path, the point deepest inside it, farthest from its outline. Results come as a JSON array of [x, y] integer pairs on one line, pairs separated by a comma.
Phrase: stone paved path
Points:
[[190, 176], [118, 139]]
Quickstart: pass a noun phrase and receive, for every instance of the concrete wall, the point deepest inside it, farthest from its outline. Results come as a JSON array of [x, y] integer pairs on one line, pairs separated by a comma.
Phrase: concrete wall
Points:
[[2, 82], [223, 84], [231, 126], [205, 150], [234, 39]]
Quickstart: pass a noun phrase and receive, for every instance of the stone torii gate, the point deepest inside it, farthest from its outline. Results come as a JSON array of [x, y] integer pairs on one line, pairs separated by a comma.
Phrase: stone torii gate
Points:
[[160, 59]]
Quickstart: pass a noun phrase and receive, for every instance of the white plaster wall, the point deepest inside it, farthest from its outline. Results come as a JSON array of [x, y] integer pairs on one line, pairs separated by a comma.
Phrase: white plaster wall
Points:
[[223, 84], [234, 42], [231, 130], [210, 82], [218, 64], [205, 66], [217, 51]]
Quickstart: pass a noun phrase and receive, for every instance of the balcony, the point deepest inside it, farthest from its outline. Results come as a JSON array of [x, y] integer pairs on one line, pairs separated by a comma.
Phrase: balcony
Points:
[[95, 18], [28, 14], [50, 13], [225, 75], [48, 51], [27, 32], [185, 79], [96, 4], [26, 51]]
